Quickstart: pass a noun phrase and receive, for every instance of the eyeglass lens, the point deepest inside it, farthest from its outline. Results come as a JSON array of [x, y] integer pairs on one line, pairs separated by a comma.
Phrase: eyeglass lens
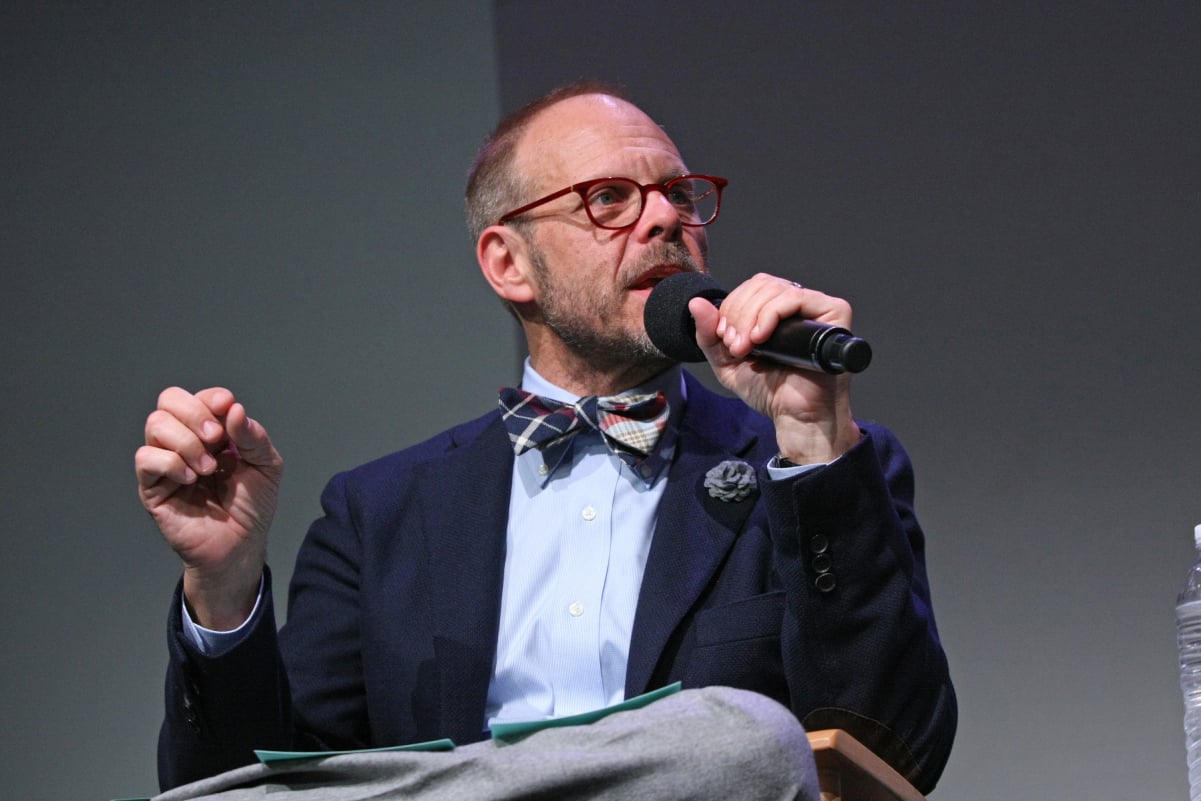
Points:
[[617, 202]]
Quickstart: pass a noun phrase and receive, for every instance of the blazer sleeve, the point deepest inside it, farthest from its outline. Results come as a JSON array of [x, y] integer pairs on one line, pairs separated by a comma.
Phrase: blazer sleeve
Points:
[[298, 689], [218, 709], [859, 643]]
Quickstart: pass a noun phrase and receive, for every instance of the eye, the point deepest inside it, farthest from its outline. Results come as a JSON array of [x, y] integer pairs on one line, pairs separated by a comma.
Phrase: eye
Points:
[[682, 195], [679, 196], [608, 195], [603, 197]]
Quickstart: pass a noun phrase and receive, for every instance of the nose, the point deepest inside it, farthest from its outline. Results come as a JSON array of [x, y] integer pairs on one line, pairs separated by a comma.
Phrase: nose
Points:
[[659, 218]]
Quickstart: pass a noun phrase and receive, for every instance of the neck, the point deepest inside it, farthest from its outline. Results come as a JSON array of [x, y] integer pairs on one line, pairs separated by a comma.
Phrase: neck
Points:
[[583, 376], [583, 379]]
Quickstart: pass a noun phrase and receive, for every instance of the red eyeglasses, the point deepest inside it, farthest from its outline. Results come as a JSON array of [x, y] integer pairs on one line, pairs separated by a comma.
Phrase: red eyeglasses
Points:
[[617, 203]]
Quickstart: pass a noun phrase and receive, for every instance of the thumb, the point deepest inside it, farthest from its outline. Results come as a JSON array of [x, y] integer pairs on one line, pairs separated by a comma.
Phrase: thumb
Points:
[[706, 316], [251, 440]]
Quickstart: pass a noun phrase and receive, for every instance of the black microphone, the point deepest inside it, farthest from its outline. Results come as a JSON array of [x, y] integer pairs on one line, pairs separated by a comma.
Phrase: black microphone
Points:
[[796, 342]]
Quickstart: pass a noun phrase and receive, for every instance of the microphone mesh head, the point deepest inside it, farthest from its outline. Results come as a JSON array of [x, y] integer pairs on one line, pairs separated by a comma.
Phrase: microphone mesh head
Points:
[[666, 317]]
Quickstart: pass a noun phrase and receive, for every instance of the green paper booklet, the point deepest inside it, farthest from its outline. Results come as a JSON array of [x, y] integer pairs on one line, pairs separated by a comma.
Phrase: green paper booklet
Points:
[[267, 757], [504, 731]]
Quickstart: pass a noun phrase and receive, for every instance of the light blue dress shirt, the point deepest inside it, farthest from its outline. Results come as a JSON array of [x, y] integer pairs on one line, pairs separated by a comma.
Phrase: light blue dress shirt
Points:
[[576, 547]]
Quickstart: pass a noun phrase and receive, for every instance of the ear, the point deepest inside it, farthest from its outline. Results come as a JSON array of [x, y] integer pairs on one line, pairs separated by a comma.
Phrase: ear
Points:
[[502, 255]]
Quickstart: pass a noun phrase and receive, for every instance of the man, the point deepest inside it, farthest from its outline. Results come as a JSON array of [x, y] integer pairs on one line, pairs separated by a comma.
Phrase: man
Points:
[[458, 584]]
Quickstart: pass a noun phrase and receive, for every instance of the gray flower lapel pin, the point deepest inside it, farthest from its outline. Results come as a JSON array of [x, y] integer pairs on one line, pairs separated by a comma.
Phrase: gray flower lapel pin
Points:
[[731, 480]]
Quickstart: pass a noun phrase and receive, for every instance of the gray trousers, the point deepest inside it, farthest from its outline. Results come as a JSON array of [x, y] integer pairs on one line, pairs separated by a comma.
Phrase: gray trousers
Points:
[[714, 743]]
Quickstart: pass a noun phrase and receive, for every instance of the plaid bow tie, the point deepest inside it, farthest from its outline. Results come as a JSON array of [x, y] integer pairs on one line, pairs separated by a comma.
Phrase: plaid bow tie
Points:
[[629, 424]]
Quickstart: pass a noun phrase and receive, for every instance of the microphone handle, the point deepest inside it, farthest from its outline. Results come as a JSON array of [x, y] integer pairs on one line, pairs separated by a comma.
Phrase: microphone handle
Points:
[[797, 342]]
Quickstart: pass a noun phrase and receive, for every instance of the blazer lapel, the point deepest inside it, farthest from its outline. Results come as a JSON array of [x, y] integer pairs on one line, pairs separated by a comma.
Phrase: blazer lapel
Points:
[[465, 534], [466, 542], [693, 533]]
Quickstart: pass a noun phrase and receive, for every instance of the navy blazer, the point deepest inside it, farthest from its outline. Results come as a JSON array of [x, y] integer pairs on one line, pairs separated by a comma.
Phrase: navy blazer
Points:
[[812, 591]]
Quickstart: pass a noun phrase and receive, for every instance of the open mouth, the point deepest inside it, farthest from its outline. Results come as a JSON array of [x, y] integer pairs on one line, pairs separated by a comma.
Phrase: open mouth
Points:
[[650, 279]]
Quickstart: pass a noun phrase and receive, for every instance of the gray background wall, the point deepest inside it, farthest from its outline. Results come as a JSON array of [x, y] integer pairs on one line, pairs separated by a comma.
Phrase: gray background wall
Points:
[[268, 197]]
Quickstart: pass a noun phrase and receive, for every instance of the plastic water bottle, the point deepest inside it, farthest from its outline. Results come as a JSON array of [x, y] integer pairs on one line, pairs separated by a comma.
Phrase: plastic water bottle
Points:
[[1188, 637]]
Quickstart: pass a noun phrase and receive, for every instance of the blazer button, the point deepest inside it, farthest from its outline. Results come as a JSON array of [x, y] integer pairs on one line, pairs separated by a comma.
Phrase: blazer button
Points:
[[192, 721], [822, 565], [190, 715]]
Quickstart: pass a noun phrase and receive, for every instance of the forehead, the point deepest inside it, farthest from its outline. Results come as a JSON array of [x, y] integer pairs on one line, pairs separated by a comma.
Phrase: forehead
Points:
[[595, 136]]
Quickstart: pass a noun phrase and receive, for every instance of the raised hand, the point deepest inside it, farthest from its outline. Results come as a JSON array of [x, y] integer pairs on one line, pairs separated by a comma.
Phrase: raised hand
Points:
[[209, 476], [811, 410]]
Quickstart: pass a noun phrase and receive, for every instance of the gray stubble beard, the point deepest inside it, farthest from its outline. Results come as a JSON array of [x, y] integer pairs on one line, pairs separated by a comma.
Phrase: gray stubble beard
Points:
[[604, 348]]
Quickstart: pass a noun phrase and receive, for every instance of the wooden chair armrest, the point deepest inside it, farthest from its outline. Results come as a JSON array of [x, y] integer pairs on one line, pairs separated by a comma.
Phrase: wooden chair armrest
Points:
[[848, 771]]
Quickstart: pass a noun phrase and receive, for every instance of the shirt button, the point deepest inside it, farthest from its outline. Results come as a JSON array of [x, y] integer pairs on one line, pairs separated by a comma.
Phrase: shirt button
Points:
[[576, 609], [588, 514], [543, 469]]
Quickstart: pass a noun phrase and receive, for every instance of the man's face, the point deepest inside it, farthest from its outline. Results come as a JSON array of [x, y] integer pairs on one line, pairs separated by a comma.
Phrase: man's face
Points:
[[592, 283]]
